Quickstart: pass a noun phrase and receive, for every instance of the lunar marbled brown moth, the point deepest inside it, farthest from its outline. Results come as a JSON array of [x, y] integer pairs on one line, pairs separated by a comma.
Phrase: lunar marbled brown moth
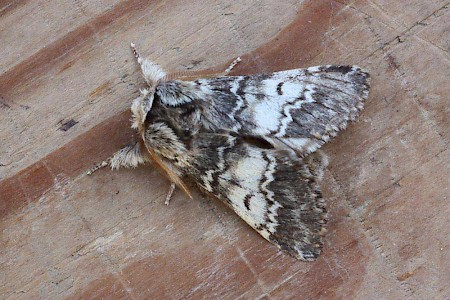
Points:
[[251, 141]]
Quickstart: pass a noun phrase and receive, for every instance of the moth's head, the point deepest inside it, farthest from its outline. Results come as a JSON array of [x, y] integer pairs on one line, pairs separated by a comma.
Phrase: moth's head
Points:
[[140, 108], [153, 75]]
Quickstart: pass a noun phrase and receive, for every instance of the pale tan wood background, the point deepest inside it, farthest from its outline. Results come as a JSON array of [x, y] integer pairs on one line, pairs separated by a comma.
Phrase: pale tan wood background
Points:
[[68, 78]]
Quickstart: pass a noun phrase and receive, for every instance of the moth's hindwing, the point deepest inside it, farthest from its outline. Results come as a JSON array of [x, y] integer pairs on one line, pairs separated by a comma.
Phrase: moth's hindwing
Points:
[[272, 190]]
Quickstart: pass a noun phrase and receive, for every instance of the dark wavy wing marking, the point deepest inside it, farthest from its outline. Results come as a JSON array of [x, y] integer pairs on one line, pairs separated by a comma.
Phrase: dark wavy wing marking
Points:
[[277, 195], [296, 109]]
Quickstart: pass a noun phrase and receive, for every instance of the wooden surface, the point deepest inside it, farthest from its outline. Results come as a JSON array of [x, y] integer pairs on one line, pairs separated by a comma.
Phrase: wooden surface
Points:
[[68, 78]]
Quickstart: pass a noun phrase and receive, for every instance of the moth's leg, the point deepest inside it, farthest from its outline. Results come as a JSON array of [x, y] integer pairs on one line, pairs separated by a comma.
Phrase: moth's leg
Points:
[[129, 156], [151, 71], [170, 193], [98, 166], [232, 65]]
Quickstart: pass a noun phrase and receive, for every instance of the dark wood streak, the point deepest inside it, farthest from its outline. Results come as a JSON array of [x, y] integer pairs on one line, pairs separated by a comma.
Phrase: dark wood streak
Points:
[[67, 125]]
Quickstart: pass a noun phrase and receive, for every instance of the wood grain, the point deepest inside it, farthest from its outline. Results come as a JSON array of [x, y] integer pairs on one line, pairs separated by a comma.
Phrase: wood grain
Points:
[[67, 65]]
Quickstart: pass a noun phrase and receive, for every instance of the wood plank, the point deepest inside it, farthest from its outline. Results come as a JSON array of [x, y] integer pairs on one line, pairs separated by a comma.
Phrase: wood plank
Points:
[[65, 93]]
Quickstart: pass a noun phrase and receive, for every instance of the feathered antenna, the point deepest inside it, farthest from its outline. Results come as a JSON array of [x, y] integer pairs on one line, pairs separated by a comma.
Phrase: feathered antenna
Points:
[[152, 72]]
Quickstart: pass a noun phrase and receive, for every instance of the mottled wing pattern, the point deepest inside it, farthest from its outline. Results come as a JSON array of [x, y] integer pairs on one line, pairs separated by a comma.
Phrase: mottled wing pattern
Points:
[[276, 194], [251, 141], [297, 109]]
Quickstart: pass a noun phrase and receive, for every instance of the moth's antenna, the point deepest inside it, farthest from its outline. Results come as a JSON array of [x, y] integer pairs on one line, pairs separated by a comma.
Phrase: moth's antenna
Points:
[[151, 71]]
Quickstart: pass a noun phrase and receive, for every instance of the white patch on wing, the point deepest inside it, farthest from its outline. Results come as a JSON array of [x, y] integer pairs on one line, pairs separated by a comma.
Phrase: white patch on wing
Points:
[[249, 166], [314, 69], [248, 172], [204, 85], [269, 87], [292, 90], [250, 98], [291, 87], [266, 117], [268, 112]]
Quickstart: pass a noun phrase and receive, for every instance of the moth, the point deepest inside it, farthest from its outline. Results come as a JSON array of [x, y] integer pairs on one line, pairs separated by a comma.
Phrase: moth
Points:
[[250, 141]]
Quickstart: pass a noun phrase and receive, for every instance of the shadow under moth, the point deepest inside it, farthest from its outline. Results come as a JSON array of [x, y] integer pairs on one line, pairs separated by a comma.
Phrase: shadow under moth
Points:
[[250, 141]]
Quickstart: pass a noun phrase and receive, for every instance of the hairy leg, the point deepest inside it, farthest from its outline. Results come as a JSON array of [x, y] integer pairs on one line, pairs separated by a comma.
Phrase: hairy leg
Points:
[[129, 156]]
